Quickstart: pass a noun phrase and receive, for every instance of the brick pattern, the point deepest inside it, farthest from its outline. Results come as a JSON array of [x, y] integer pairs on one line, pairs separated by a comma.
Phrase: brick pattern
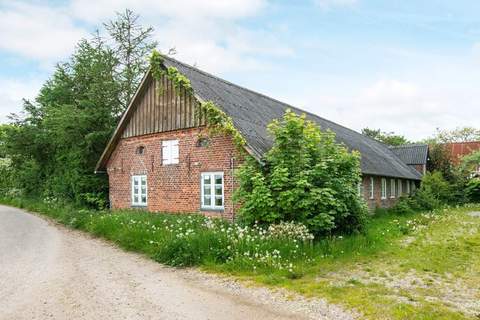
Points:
[[176, 187]]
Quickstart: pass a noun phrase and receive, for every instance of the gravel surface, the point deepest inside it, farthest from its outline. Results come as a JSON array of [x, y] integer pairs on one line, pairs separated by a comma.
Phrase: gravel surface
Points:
[[50, 272]]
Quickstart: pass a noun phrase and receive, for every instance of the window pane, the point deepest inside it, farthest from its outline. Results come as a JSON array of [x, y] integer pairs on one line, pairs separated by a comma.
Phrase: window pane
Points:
[[207, 179], [218, 190], [135, 199], [144, 190], [207, 201], [207, 190], [219, 201], [135, 190], [135, 181], [218, 179], [144, 199], [144, 181]]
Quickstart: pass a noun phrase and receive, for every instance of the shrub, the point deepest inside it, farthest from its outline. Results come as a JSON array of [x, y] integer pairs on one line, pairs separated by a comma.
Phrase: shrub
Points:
[[306, 177], [472, 190]]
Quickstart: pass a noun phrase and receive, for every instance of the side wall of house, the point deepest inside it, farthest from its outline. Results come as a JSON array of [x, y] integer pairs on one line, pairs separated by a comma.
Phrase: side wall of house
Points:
[[172, 187], [392, 196]]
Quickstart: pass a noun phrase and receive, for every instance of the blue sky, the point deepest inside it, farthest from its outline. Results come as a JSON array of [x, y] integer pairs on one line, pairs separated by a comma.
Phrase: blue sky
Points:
[[403, 66]]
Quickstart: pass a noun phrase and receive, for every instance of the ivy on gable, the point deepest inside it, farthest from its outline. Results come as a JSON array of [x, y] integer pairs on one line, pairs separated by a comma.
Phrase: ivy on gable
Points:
[[217, 120]]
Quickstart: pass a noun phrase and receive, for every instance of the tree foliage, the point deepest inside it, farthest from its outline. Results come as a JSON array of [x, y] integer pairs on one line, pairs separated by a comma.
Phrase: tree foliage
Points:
[[389, 138], [306, 177], [132, 44], [460, 134], [56, 141]]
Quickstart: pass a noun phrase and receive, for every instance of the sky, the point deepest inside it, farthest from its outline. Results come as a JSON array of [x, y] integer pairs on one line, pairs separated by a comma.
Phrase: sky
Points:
[[407, 66]]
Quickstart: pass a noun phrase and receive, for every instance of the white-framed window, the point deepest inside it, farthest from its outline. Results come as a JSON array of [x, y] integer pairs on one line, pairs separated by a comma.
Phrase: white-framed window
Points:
[[360, 189], [414, 186], [408, 187], [384, 188], [392, 188], [372, 187], [400, 187], [139, 190], [212, 190], [170, 152]]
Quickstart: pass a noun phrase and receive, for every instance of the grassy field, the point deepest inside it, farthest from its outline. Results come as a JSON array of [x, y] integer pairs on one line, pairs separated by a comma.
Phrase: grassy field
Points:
[[427, 267], [419, 266]]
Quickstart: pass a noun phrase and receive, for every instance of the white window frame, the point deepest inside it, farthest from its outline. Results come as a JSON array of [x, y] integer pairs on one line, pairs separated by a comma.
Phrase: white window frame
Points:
[[212, 195], [139, 203], [414, 186], [408, 186], [372, 188], [393, 188], [384, 188], [170, 152], [400, 187], [359, 189]]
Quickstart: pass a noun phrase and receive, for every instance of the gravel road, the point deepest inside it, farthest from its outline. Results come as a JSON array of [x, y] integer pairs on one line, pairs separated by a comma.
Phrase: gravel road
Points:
[[50, 272]]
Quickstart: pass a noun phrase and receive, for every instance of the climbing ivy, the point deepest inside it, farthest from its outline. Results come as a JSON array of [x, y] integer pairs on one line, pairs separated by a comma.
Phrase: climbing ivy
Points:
[[178, 80], [219, 122]]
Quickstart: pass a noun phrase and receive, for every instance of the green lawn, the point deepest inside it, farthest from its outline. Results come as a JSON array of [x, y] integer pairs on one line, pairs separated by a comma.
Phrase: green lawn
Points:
[[418, 266], [428, 267]]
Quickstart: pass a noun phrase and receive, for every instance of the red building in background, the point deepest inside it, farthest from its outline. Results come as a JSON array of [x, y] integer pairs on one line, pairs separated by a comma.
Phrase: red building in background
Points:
[[460, 149]]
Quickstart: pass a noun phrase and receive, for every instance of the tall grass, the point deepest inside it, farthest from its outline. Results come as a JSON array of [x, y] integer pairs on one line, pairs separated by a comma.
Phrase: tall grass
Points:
[[193, 240]]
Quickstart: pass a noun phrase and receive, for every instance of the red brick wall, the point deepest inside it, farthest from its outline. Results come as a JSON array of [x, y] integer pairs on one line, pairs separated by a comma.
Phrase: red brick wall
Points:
[[176, 187]]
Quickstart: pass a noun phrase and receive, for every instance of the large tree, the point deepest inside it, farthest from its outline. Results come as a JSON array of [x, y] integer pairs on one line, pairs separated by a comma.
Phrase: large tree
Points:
[[55, 142], [389, 138], [132, 44]]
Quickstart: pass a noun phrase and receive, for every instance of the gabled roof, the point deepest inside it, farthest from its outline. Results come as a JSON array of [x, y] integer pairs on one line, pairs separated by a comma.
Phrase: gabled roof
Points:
[[412, 154], [251, 112]]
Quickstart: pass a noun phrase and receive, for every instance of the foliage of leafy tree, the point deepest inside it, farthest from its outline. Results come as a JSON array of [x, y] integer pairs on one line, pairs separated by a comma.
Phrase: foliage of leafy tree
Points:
[[440, 160], [55, 143], [462, 134], [306, 177], [389, 138], [132, 44], [470, 163]]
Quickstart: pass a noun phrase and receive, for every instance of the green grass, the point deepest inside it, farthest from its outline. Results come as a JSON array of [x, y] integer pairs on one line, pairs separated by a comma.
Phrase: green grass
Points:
[[415, 266]]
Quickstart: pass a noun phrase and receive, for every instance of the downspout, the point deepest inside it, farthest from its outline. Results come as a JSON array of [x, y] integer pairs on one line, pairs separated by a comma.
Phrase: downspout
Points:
[[232, 166]]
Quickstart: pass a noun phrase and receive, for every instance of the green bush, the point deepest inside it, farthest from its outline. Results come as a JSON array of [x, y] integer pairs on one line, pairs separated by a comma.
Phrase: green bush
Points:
[[472, 190], [305, 177]]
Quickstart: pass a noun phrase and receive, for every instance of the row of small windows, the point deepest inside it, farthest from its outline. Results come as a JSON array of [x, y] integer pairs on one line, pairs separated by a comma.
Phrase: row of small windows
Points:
[[396, 188], [212, 191]]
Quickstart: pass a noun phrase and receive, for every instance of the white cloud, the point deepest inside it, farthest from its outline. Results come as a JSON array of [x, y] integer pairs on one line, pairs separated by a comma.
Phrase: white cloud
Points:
[[42, 33], [185, 9], [12, 91], [407, 108], [328, 4]]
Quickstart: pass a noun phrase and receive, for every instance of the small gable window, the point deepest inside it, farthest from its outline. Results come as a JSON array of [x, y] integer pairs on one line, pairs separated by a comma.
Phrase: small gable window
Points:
[[203, 142], [140, 150], [170, 152]]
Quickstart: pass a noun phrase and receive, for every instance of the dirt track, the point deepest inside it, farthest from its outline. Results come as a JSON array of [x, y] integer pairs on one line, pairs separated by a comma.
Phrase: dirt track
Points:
[[50, 272]]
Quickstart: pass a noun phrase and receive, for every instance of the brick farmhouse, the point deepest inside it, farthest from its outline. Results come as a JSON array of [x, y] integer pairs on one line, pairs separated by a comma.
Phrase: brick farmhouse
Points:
[[162, 158]]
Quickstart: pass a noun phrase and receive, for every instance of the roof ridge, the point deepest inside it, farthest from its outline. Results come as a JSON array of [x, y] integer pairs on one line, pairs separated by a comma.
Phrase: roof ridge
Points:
[[409, 145], [263, 95]]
